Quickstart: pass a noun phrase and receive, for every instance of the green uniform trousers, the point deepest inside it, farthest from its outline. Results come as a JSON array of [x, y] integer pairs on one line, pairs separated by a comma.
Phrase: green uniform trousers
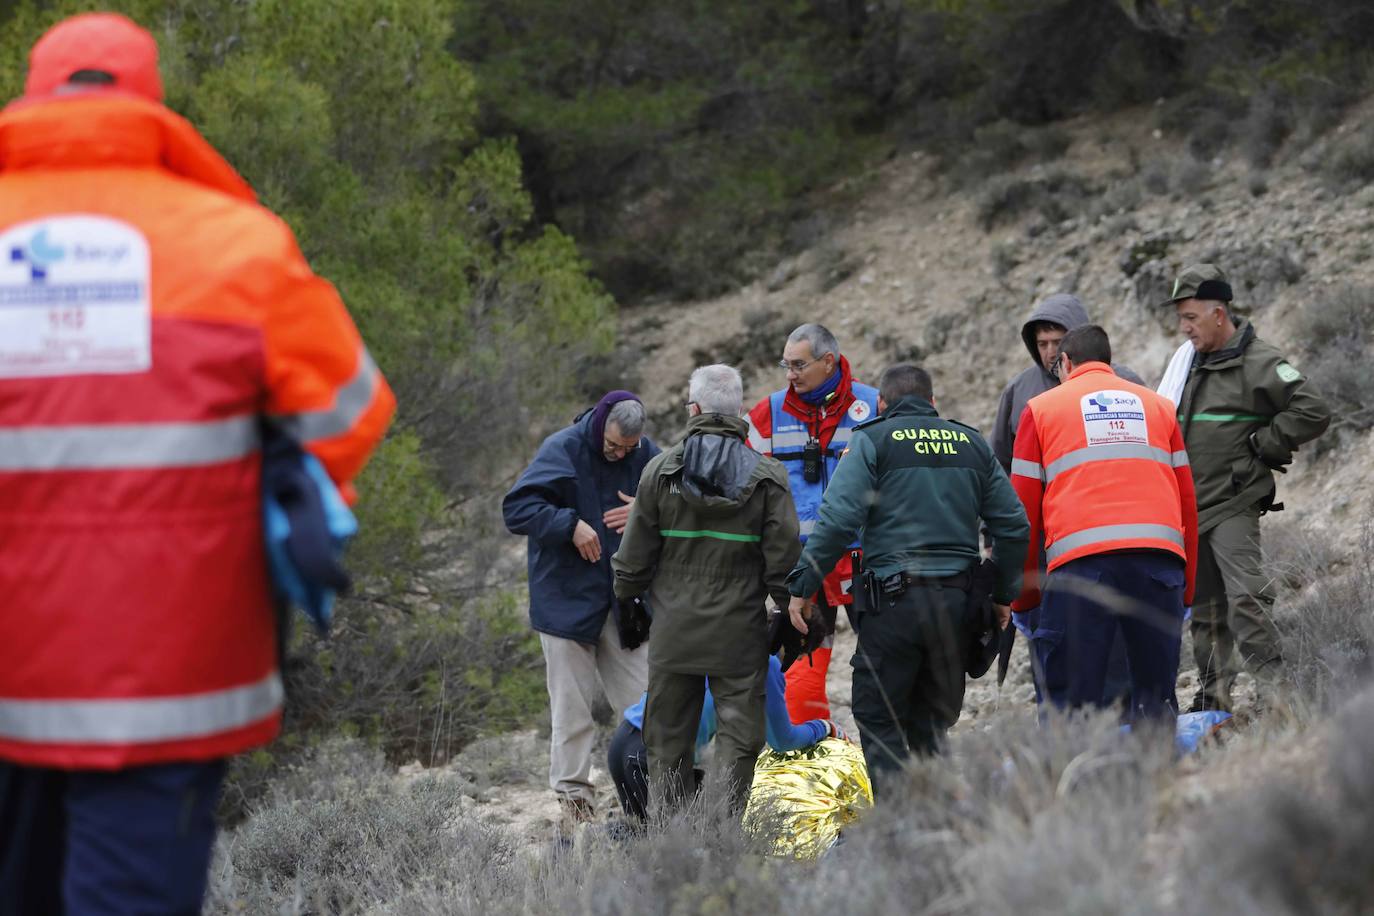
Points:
[[672, 717], [909, 672], [1232, 626]]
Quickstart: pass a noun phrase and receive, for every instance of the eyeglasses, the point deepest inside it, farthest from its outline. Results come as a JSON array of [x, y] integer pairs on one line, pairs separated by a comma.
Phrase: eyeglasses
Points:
[[617, 448], [798, 366]]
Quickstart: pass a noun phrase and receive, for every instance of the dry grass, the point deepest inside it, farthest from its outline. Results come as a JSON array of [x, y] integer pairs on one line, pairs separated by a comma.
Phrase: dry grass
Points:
[[1066, 817]]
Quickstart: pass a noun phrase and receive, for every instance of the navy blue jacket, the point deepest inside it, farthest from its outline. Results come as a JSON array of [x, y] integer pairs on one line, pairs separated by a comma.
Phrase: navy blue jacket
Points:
[[569, 479]]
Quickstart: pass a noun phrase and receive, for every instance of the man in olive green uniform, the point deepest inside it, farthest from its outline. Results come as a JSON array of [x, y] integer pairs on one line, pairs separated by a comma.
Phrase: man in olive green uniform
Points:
[[1244, 411], [712, 534], [916, 485]]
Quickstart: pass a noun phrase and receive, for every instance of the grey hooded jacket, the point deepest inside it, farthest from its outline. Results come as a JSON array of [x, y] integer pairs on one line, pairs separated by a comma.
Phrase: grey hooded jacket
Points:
[[1068, 312]]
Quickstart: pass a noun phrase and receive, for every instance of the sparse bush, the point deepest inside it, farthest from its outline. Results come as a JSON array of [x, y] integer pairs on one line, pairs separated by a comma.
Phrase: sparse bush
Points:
[[416, 681], [758, 348], [345, 835], [1350, 161], [1337, 332], [1003, 259], [1121, 196], [1155, 178], [991, 828], [1283, 848], [1004, 144], [1267, 124], [1057, 195], [1327, 623], [1190, 177]]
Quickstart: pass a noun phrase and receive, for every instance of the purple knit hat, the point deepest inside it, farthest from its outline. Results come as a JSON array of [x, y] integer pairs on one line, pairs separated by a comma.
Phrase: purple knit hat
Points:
[[603, 409]]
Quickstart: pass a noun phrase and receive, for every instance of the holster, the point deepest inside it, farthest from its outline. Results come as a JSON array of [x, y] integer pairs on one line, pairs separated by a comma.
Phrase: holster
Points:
[[984, 640], [859, 589]]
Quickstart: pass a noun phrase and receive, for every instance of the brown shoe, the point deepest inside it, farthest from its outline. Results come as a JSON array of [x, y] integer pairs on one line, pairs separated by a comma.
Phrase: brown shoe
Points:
[[576, 810]]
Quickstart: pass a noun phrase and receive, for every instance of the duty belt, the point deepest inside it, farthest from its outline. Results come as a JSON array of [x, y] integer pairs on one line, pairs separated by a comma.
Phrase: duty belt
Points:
[[962, 581]]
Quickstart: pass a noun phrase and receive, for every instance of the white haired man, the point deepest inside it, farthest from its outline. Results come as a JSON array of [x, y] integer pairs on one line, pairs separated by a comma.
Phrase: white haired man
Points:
[[713, 533]]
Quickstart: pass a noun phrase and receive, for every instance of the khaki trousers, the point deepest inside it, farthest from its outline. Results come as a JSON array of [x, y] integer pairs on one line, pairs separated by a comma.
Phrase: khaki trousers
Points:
[[573, 670], [1232, 626]]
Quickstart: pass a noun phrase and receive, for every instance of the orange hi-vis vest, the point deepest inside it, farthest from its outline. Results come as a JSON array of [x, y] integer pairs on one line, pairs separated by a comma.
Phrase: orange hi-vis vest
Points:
[[1099, 465], [152, 315]]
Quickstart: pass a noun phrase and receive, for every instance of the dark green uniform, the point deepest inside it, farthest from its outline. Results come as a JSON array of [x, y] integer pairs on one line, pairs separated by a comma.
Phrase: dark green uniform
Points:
[[1244, 411], [711, 536], [916, 485]]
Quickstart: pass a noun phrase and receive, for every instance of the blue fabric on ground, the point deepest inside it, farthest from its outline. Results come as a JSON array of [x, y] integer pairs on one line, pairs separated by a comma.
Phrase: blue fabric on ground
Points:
[[782, 735], [1191, 728]]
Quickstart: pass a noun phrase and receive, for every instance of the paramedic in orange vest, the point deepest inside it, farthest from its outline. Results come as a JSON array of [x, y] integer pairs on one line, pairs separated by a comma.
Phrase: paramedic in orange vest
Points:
[[807, 426], [152, 316], [1100, 466]]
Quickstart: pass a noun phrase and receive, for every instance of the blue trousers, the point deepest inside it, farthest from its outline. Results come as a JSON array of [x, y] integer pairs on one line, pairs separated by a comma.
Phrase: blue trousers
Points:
[[81, 842], [1116, 689], [1085, 601]]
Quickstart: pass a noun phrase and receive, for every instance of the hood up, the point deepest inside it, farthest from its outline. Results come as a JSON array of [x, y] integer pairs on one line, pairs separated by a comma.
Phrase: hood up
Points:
[[1062, 309]]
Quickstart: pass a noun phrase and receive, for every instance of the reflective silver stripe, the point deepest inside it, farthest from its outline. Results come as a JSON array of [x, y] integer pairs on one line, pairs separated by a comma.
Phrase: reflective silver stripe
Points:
[[841, 437], [789, 440], [759, 442], [109, 446], [139, 721], [350, 403], [1024, 468], [808, 525], [1081, 456], [1180, 459], [1107, 533]]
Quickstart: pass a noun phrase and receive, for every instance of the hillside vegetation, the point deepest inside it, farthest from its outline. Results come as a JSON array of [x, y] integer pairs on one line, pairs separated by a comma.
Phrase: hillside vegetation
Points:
[[527, 202]]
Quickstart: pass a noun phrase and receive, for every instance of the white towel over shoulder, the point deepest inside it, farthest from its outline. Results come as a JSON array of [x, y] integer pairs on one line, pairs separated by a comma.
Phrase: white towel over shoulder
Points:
[[1176, 376]]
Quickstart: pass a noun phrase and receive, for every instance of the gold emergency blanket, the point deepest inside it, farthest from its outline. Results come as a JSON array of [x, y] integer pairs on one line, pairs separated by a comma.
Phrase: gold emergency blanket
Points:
[[802, 799]]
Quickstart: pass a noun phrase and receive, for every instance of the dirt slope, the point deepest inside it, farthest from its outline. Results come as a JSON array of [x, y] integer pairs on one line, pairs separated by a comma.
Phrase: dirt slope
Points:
[[914, 275]]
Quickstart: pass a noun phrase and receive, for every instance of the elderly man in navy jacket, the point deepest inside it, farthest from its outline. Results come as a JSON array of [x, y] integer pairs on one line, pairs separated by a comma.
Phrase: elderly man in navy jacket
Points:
[[572, 503]]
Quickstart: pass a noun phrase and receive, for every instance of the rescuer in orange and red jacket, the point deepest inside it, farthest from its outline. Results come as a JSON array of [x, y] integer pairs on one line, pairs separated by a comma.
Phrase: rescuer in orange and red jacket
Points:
[[1100, 466], [152, 316], [807, 426]]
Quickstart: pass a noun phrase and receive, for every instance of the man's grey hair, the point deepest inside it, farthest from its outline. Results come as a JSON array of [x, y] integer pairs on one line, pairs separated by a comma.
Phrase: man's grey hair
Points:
[[717, 389], [628, 417], [820, 339]]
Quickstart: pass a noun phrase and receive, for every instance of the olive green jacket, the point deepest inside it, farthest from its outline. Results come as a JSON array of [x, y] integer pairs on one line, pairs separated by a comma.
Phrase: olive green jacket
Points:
[[1244, 411], [712, 533], [916, 485]]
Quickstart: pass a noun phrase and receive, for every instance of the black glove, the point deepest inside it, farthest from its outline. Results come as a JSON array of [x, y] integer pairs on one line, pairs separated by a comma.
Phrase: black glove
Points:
[[632, 622], [1271, 463], [784, 637]]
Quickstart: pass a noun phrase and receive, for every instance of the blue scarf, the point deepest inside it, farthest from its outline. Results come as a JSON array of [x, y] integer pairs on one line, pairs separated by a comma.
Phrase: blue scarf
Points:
[[817, 396]]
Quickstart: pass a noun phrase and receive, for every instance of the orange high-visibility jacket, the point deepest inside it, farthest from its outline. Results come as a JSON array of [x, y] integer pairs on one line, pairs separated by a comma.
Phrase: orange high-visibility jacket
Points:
[[1100, 466], [151, 313]]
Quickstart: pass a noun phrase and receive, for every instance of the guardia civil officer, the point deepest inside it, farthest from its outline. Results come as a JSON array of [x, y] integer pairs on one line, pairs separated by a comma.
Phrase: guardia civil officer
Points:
[[916, 485]]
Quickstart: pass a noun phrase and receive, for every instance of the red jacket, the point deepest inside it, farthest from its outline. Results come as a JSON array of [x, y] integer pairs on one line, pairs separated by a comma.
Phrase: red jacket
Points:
[[1100, 466], [151, 314]]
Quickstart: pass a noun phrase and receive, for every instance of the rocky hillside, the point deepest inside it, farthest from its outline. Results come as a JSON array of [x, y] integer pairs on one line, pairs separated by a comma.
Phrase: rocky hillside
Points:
[[939, 269]]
